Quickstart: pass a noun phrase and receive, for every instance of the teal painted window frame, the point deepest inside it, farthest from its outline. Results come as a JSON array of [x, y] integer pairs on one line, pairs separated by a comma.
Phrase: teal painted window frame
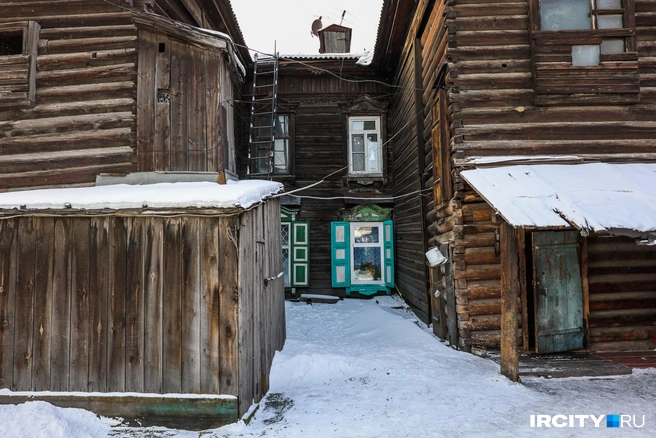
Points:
[[342, 255]]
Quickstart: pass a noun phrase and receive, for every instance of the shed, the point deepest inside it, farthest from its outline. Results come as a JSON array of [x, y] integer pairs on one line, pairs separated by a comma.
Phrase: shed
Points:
[[578, 255], [150, 302]]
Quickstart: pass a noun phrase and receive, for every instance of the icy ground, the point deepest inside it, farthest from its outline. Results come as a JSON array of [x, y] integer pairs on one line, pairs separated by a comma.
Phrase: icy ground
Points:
[[367, 369]]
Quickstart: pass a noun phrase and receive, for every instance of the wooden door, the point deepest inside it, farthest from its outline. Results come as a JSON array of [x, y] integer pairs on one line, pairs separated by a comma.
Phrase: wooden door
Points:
[[558, 291]]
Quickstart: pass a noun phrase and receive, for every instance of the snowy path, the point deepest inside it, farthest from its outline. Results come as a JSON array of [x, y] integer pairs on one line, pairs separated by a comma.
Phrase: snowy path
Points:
[[362, 369]]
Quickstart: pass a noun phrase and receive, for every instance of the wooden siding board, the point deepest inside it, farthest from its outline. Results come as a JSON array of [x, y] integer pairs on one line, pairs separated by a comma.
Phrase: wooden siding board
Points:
[[8, 247], [135, 311], [24, 305], [147, 138], [210, 332], [191, 307], [153, 303], [116, 291], [247, 251], [80, 323], [180, 75], [229, 374], [61, 320], [98, 301], [172, 317], [45, 229]]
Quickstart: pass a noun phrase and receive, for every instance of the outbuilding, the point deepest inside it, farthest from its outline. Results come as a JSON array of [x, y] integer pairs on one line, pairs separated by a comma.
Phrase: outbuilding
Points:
[[151, 302]]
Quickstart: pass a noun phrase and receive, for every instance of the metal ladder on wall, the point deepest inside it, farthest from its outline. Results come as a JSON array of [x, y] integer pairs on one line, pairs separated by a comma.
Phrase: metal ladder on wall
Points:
[[264, 117]]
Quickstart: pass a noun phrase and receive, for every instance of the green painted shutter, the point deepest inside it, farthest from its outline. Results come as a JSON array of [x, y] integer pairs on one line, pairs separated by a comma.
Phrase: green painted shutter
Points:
[[340, 243], [300, 254], [388, 235]]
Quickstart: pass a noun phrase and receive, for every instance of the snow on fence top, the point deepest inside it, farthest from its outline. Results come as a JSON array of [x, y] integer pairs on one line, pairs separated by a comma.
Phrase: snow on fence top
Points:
[[593, 197], [235, 194]]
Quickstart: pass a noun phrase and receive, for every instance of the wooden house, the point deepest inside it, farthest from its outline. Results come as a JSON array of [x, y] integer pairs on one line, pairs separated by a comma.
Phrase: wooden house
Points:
[[333, 129], [164, 301], [120, 86], [491, 84]]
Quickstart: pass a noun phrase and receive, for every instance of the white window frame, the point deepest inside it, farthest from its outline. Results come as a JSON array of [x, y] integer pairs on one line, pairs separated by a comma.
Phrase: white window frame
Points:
[[379, 151], [380, 245]]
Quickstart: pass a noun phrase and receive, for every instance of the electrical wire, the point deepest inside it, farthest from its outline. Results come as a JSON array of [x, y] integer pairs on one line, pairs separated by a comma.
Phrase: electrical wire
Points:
[[338, 76], [389, 198]]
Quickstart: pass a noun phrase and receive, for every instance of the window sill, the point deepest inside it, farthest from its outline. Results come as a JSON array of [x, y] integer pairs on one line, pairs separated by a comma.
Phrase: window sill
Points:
[[365, 179]]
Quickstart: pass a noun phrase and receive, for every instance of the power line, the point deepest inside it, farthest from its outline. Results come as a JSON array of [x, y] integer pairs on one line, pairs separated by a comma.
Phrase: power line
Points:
[[389, 198]]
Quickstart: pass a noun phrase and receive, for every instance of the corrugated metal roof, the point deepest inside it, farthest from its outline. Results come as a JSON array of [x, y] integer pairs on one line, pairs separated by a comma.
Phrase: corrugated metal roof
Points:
[[617, 198], [323, 56]]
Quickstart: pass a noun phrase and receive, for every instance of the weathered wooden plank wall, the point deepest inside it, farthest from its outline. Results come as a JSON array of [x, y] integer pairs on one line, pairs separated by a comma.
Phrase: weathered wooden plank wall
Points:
[[261, 301], [84, 120], [622, 284], [127, 304], [410, 265]]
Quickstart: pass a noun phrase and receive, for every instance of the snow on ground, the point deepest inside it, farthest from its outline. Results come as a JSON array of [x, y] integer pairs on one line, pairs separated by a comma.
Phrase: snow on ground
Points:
[[368, 369]]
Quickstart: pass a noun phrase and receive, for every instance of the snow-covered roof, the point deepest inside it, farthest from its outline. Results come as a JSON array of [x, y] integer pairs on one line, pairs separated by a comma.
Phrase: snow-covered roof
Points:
[[617, 198], [183, 195]]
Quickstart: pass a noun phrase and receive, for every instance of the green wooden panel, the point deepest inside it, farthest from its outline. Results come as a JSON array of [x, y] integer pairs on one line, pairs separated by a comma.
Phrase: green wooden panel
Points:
[[388, 236], [340, 253], [300, 254], [558, 291]]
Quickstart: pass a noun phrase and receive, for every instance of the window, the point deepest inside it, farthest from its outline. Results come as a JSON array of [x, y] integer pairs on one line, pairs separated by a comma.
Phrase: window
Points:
[[609, 17], [362, 251], [365, 147], [295, 236], [18, 52], [367, 253], [261, 146], [584, 52], [11, 43]]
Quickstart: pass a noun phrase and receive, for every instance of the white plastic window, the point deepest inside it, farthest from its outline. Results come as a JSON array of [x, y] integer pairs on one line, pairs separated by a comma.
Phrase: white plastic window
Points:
[[365, 151]]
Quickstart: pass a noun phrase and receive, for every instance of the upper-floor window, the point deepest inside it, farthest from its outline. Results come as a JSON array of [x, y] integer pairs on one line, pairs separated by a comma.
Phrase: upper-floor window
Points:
[[584, 52], [18, 52], [607, 16], [365, 146], [282, 144]]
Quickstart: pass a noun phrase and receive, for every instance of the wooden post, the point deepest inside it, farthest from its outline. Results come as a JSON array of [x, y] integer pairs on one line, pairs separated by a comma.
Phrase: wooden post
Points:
[[509, 299]]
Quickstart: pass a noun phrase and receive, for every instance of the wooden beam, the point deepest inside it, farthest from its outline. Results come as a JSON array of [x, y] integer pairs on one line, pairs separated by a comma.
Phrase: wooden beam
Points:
[[510, 292], [586, 290]]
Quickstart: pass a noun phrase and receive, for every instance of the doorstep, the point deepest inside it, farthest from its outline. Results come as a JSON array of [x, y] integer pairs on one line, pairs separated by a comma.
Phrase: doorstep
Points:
[[567, 364], [632, 359]]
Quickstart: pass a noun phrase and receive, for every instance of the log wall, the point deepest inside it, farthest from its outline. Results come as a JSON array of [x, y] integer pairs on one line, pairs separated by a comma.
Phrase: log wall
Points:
[[141, 304], [79, 114], [506, 96], [622, 284], [84, 119]]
